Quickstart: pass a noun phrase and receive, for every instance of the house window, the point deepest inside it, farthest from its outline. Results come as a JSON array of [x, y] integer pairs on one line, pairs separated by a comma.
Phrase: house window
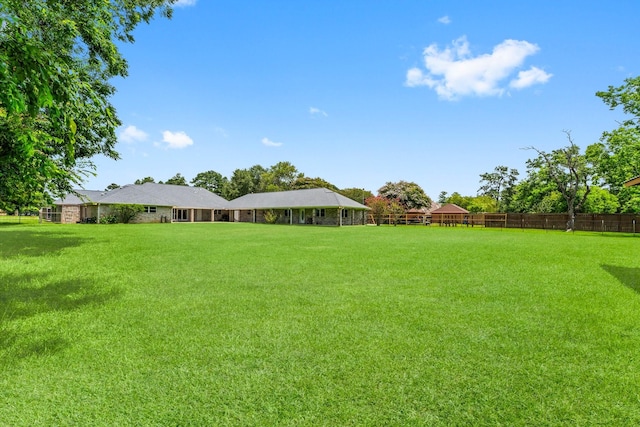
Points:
[[345, 213], [286, 212], [150, 209], [320, 212]]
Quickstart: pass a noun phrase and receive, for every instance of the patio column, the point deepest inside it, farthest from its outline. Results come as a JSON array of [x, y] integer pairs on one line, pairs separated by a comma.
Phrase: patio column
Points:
[[191, 214], [213, 215]]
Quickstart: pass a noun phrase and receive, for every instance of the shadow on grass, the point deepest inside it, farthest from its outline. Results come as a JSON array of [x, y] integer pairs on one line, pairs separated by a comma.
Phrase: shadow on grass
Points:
[[40, 295], [628, 276], [16, 242]]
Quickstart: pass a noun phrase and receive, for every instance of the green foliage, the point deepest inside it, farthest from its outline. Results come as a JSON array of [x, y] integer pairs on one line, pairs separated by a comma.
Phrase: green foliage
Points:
[[442, 197], [570, 171], [177, 179], [212, 181], [395, 209], [379, 207], [280, 177], [126, 213], [499, 185], [245, 181], [57, 59], [626, 96], [108, 219], [617, 157], [270, 216], [481, 204], [143, 180], [409, 194], [629, 199], [303, 182], [600, 200], [357, 194]]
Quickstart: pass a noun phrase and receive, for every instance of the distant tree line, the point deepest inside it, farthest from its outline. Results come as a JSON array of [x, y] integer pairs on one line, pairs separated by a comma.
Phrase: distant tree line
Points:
[[568, 179], [282, 176]]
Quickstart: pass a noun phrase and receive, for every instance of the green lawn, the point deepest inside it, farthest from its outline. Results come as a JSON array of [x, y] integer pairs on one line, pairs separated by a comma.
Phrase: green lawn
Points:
[[246, 324]]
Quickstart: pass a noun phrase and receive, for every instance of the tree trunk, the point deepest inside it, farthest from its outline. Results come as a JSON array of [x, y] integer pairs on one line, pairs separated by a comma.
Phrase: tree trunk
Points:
[[572, 218]]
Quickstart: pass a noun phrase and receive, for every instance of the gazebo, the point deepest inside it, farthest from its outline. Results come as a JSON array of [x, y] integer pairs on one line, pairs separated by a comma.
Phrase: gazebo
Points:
[[449, 215]]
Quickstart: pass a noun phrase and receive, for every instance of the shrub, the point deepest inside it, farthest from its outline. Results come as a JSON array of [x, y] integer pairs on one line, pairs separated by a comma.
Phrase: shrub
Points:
[[270, 217], [126, 212], [108, 219]]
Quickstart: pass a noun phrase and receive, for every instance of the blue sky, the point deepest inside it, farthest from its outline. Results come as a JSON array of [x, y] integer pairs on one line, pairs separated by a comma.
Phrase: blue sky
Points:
[[360, 93]]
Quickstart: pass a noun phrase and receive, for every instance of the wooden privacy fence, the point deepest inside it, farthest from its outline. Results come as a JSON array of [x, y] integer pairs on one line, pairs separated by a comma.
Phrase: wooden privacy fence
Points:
[[625, 223]]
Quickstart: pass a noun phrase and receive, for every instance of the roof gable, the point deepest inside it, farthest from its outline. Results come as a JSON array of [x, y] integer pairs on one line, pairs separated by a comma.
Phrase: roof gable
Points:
[[450, 209]]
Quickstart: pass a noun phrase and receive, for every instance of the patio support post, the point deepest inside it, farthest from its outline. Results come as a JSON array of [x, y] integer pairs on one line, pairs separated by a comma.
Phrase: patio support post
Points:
[[191, 215]]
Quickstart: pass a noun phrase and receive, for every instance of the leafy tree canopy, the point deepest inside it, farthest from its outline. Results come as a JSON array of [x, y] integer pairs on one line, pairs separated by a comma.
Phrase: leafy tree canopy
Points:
[[212, 181], [571, 171], [280, 177], [409, 194], [143, 180], [177, 179], [303, 182], [57, 61], [360, 195], [499, 185]]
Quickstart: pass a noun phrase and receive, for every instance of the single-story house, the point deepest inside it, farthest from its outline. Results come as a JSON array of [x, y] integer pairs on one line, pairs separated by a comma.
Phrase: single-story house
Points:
[[449, 214], [161, 203], [178, 203], [318, 206]]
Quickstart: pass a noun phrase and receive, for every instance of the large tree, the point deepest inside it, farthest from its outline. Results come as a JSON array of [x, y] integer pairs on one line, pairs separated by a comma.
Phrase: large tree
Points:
[[212, 181], [177, 179], [409, 194], [245, 181], [303, 182], [57, 62], [280, 177], [570, 171], [617, 155], [499, 185], [360, 195]]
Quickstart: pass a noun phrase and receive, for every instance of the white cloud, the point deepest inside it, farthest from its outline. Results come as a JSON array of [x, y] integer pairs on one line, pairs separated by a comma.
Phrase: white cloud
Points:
[[184, 3], [316, 111], [222, 132], [269, 143], [176, 139], [444, 20], [132, 134], [453, 72], [530, 77]]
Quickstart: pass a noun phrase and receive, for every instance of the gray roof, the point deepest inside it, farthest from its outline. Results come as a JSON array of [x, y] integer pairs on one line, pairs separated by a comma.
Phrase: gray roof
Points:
[[311, 198], [84, 196], [151, 194]]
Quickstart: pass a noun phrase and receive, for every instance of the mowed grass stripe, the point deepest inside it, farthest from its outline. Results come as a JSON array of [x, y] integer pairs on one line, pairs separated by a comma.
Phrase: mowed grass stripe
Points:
[[246, 324]]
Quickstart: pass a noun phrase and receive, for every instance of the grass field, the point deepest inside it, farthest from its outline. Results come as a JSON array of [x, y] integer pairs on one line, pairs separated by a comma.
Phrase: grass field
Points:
[[246, 324]]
